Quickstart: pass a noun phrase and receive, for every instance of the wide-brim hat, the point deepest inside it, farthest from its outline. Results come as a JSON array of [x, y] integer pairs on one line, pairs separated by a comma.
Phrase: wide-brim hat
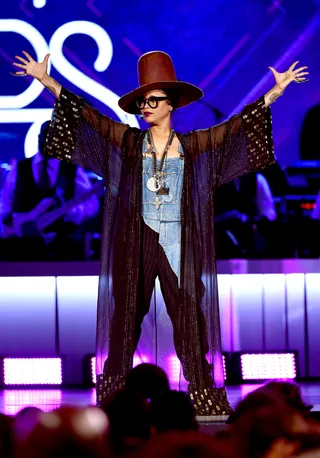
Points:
[[156, 71]]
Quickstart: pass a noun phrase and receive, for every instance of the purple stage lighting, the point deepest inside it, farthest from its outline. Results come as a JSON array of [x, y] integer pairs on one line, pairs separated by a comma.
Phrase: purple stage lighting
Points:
[[268, 366], [175, 371], [137, 359], [45, 399], [32, 371], [93, 370], [224, 367]]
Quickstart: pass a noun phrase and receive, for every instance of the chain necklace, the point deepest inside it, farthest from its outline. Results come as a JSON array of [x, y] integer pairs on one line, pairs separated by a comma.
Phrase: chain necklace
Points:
[[155, 183]]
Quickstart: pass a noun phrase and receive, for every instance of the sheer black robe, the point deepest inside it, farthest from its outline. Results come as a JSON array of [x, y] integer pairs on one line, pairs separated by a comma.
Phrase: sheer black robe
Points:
[[213, 156]]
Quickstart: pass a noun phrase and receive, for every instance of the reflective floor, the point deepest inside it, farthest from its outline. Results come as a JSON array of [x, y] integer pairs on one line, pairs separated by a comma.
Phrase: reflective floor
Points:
[[13, 400]]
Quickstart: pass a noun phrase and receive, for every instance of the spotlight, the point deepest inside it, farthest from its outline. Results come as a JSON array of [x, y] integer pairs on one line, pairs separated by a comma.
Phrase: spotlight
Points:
[[253, 366], [32, 371], [266, 366]]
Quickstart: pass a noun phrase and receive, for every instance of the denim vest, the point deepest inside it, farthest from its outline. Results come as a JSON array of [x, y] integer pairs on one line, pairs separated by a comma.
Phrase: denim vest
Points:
[[166, 219]]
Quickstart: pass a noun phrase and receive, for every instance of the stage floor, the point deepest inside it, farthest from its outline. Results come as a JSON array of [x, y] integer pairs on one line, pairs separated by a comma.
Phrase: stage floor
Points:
[[13, 400]]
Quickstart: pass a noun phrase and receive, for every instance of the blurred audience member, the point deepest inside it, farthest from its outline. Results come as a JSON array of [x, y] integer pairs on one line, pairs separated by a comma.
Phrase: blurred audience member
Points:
[[68, 433], [189, 444], [147, 379], [256, 399], [273, 432], [173, 411], [130, 425], [290, 394], [315, 453], [6, 437], [25, 421]]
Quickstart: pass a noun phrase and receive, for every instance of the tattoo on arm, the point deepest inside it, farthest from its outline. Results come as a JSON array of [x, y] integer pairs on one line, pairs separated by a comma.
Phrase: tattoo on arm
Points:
[[272, 95]]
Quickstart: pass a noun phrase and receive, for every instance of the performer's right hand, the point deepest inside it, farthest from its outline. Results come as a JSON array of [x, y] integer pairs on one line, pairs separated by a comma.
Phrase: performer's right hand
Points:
[[38, 70], [31, 67]]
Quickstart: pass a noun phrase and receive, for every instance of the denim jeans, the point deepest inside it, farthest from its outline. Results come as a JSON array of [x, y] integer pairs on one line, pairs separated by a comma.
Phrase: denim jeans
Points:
[[165, 220]]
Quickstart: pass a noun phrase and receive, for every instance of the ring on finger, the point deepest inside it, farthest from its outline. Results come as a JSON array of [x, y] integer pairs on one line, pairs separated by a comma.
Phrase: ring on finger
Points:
[[15, 74]]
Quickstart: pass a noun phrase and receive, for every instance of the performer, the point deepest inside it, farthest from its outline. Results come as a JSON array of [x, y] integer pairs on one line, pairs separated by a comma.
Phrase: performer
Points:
[[159, 211], [32, 189], [244, 217]]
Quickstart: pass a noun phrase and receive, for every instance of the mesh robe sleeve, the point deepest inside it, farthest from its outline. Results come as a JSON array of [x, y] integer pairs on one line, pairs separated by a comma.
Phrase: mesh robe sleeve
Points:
[[80, 134], [241, 144]]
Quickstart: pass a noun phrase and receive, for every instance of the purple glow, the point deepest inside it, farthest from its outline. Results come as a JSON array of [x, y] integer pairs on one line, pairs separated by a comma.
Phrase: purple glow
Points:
[[175, 373], [268, 366], [93, 397], [137, 359], [246, 389], [174, 369], [46, 400], [32, 371]]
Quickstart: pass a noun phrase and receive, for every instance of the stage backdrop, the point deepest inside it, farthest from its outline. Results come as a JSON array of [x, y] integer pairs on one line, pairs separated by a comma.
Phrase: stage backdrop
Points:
[[224, 46]]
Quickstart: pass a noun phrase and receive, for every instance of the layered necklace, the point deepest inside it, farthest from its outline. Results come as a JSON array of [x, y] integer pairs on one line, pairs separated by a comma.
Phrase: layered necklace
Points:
[[156, 182]]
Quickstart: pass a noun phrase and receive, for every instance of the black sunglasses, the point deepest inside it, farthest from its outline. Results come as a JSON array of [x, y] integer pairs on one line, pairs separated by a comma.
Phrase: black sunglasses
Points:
[[152, 101]]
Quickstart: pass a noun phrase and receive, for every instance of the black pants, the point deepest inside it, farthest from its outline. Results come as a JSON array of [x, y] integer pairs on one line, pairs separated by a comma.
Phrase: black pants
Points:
[[154, 263]]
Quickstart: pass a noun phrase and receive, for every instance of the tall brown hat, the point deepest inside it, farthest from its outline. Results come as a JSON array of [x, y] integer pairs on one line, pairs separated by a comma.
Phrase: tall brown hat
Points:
[[156, 71]]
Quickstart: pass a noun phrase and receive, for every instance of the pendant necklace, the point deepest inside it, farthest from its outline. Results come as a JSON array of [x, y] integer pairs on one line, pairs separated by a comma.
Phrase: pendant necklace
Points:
[[155, 183]]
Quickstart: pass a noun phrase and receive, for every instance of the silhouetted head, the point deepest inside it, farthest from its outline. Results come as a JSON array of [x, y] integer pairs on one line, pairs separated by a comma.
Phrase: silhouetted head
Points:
[[289, 392], [68, 432], [147, 379], [129, 418], [173, 411], [191, 444]]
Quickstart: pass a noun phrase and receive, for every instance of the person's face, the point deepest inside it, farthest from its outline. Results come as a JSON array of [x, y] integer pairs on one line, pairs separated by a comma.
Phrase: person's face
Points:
[[159, 110]]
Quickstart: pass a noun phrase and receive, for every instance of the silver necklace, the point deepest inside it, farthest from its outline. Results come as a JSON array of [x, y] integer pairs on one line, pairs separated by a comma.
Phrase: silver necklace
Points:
[[155, 182]]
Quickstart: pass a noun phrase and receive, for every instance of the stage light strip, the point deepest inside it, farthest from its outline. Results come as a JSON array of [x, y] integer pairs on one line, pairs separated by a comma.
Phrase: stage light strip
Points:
[[224, 367], [268, 366], [93, 370], [32, 371]]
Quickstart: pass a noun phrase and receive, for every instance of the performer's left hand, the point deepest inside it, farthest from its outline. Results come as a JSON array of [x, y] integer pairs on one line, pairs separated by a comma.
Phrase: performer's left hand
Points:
[[284, 79]]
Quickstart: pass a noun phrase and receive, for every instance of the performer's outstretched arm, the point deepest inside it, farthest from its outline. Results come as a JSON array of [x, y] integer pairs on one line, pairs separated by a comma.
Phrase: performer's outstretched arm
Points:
[[78, 132], [39, 71], [283, 80], [244, 142]]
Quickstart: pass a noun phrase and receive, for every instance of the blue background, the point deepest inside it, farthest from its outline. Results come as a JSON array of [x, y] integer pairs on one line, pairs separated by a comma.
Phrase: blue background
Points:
[[225, 46]]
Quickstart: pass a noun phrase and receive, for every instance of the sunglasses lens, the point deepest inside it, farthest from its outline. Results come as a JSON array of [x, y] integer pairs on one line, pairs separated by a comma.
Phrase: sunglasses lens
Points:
[[152, 102]]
